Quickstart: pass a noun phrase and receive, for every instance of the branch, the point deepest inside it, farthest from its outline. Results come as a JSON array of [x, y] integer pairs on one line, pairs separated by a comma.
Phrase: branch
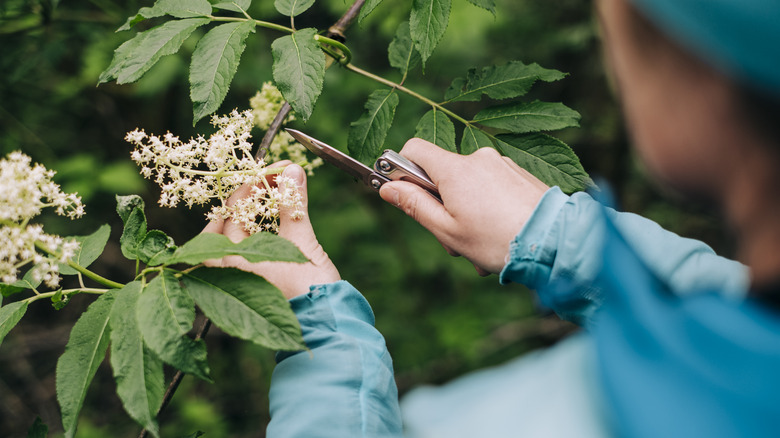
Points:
[[178, 376], [335, 32]]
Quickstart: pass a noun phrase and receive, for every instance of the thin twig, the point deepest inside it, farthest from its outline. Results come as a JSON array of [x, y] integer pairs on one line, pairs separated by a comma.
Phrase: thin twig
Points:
[[178, 376], [335, 32], [273, 130]]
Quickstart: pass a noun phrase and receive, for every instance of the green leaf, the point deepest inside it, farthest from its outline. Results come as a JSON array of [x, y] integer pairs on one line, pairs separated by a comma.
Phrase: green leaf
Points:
[[511, 80], [473, 139], [134, 60], [133, 234], [291, 8], [367, 135], [520, 118], [10, 314], [259, 247], [90, 248], [490, 5], [137, 371], [175, 8], [427, 23], [77, 366], [401, 53], [165, 314], [156, 248], [299, 70], [547, 158], [126, 204], [39, 429], [367, 8], [438, 129], [59, 300], [239, 6], [27, 282], [246, 306], [214, 63]]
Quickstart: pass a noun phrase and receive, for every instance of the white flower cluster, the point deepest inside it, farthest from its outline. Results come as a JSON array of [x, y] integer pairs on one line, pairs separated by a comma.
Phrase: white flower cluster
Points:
[[201, 170], [25, 190], [265, 105], [260, 210]]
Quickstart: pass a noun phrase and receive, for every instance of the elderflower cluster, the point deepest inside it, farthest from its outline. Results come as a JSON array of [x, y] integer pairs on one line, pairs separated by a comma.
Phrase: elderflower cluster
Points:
[[201, 170], [25, 190], [265, 105]]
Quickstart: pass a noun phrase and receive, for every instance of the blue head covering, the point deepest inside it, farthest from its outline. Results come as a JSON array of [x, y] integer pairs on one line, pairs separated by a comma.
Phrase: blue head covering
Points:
[[739, 37]]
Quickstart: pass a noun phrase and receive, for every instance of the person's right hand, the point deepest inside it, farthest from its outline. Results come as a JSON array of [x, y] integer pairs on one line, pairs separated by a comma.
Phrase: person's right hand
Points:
[[486, 198]]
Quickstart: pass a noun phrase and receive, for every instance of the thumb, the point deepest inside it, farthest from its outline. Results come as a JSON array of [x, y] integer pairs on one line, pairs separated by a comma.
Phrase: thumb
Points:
[[294, 224], [417, 203]]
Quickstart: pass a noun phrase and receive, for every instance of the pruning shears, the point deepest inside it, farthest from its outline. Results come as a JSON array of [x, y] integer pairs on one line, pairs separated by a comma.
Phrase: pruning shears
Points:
[[390, 166]]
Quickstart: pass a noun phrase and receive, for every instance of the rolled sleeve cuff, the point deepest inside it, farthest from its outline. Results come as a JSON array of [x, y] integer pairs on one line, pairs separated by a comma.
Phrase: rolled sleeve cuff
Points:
[[531, 252]]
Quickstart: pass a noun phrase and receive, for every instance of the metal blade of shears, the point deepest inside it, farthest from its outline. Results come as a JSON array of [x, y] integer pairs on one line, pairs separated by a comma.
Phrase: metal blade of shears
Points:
[[341, 160]]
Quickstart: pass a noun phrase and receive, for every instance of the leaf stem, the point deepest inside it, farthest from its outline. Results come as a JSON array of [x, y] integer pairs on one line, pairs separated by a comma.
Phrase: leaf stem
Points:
[[86, 290], [102, 280], [403, 89], [261, 23]]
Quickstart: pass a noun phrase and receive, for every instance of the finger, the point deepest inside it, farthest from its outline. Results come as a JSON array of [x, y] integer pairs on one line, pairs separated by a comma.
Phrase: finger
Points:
[[419, 205], [272, 178], [297, 228], [214, 226], [450, 251], [433, 159], [481, 272]]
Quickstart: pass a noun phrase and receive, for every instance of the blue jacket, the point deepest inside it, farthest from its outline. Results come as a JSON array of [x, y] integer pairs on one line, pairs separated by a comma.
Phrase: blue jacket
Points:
[[672, 346]]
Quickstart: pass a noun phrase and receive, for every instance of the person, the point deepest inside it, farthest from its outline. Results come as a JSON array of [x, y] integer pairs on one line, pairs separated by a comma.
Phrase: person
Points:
[[677, 342]]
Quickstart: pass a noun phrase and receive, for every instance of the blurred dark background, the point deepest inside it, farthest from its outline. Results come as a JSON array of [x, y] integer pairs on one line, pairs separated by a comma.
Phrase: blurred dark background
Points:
[[440, 319]]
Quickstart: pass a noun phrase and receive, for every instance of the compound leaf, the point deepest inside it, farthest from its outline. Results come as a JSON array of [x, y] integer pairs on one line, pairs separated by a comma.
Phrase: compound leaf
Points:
[[499, 82], [291, 8], [165, 314], [438, 129], [401, 53], [10, 314], [90, 248], [547, 158], [427, 23], [259, 247], [299, 70], [246, 306], [367, 134], [214, 63], [521, 117], [84, 352], [137, 371], [135, 57], [473, 139]]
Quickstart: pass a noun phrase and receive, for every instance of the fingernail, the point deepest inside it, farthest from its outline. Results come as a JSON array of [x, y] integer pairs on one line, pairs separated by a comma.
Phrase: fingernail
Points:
[[295, 172]]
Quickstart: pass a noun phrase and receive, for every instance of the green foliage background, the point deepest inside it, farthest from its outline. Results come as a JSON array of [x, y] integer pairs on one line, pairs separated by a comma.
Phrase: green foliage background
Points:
[[439, 317]]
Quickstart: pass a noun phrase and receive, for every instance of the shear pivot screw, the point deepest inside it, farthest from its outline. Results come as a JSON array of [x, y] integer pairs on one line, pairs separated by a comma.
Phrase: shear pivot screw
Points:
[[376, 184], [385, 166]]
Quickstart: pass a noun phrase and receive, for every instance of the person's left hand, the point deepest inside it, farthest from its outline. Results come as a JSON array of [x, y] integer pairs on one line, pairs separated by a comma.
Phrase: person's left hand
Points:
[[292, 279]]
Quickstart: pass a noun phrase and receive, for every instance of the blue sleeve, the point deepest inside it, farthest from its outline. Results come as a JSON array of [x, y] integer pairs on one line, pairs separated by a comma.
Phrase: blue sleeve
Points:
[[562, 241], [343, 386]]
